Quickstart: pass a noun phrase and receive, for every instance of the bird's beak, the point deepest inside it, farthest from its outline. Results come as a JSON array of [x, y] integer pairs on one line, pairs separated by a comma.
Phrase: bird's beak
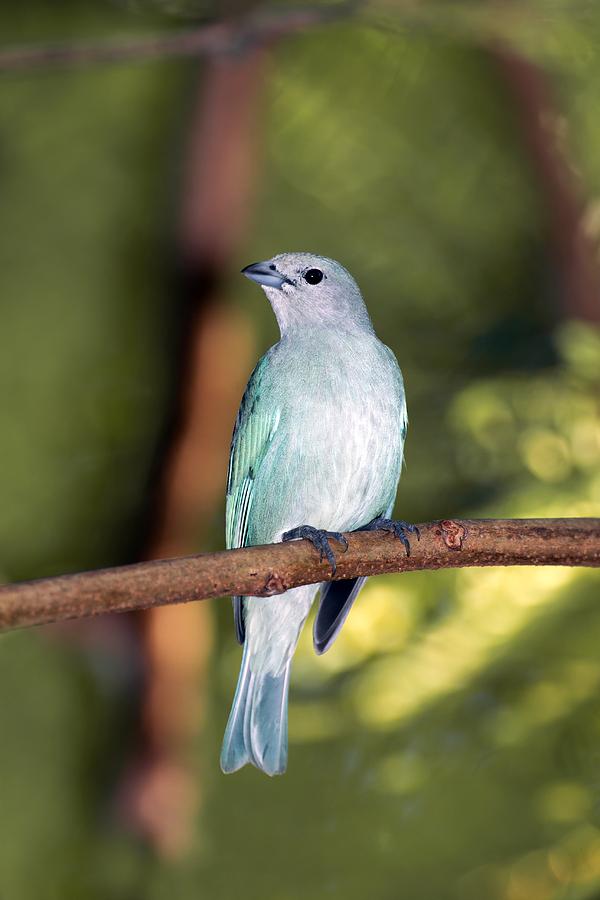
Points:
[[266, 274]]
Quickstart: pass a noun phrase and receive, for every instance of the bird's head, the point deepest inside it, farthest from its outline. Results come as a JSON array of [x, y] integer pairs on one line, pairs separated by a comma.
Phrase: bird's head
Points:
[[309, 290]]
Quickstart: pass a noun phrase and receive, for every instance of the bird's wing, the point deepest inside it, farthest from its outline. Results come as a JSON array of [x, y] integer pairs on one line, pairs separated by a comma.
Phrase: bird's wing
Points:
[[337, 598], [256, 424]]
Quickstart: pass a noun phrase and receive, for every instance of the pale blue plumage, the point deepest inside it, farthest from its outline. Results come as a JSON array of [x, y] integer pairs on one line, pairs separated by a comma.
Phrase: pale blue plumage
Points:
[[318, 440], [256, 732]]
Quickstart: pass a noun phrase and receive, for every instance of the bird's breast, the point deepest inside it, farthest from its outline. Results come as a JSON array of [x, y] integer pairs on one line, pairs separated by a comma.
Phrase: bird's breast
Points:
[[336, 458]]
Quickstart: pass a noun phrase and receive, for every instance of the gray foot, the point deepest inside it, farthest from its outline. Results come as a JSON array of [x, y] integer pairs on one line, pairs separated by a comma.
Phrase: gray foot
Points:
[[396, 526], [320, 541]]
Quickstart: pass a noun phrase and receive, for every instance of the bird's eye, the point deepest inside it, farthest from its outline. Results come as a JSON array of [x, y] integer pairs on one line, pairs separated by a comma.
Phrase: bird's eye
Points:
[[313, 276]]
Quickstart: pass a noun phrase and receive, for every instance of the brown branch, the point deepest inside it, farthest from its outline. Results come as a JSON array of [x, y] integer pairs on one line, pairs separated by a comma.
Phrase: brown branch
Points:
[[268, 570], [213, 39]]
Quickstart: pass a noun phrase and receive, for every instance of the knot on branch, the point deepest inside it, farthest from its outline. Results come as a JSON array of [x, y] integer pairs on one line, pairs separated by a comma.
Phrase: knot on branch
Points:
[[453, 534], [274, 585]]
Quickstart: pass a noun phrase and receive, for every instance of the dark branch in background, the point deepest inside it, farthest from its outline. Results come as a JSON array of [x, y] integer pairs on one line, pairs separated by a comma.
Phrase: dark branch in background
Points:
[[265, 571], [215, 351], [161, 792], [214, 39], [545, 139]]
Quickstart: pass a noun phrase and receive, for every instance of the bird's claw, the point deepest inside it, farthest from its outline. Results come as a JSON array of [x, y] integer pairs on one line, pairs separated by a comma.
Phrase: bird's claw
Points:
[[320, 541], [396, 526]]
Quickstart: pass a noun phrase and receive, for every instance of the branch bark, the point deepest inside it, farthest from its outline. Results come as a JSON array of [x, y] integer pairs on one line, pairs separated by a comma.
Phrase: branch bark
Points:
[[272, 569]]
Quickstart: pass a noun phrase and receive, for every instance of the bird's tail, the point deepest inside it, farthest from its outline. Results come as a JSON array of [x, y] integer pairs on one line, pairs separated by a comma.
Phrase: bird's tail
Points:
[[256, 732]]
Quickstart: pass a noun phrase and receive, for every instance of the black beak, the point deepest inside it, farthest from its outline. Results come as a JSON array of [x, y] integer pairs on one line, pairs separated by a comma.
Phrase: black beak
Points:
[[265, 273]]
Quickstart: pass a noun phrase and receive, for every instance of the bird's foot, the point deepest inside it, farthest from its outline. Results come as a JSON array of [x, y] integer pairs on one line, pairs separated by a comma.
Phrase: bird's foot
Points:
[[397, 527], [320, 541]]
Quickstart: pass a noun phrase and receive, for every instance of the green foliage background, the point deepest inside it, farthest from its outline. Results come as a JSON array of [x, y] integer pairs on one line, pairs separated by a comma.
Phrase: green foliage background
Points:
[[449, 745]]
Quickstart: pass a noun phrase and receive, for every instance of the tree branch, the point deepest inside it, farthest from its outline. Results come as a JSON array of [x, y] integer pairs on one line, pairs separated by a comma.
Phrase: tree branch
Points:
[[268, 570], [541, 128], [230, 36]]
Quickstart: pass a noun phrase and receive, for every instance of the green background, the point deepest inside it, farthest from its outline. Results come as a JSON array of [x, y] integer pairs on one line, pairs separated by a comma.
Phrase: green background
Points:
[[449, 744]]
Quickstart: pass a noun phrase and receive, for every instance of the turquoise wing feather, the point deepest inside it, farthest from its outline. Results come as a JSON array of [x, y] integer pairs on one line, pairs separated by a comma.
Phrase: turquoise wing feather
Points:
[[256, 424]]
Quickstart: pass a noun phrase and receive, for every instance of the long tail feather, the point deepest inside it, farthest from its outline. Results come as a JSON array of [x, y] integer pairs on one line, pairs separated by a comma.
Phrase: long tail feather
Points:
[[256, 732]]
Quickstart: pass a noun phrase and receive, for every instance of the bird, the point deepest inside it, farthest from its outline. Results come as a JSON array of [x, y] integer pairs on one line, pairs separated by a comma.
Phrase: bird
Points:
[[317, 450]]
